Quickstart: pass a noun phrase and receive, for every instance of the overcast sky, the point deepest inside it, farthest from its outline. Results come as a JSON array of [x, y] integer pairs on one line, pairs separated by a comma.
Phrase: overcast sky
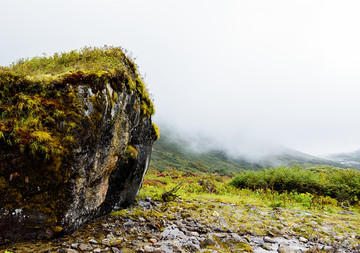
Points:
[[239, 71]]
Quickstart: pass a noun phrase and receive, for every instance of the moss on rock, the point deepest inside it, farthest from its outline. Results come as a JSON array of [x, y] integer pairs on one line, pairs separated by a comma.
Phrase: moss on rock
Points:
[[52, 108]]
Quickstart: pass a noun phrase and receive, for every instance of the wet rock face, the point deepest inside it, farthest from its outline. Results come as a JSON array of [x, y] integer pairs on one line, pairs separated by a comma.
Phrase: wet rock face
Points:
[[102, 169], [109, 176]]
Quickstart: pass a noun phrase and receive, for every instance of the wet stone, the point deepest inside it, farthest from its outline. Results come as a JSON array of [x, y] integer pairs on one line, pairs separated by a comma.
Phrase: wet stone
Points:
[[268, 239], [85, 247], [93, 241], [286, 249], [149, 249], [196, 234], [269, 233], [190, 246], [115, 250], [153, 240], [111, 236], [75, 245], [216, 228], [286, 237], [223, 222], [266, 247], [106, 242], [135, 242], [207, 242], [65, 244], [346, 212], [303, 239], [67, 251]]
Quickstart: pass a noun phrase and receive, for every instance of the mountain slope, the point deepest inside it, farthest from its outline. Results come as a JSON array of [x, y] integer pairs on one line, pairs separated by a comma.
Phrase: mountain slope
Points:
[[174, 153], [351, 159]]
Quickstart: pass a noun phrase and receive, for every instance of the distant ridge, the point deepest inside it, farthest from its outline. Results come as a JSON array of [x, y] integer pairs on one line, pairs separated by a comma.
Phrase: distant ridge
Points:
[[170, 153], [351, 159]]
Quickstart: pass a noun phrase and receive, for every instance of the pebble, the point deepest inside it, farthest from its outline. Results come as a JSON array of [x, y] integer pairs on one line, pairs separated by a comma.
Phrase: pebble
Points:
[[190, 246], [85, 247], [65, 244], [346, 212], [116, 250], [149, 249], [237, 238], [93, 241], [75, 245], [338, 238], [286, 249], [68, 251], [153, 240], [194, 234], [268, 239], [207, 242], [106, 242], [266, 247], [303, 239], [223, 222], [269, 233]]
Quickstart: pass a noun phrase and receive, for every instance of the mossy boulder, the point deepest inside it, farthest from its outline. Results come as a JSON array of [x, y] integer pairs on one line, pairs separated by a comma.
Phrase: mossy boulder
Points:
[[75, 140]]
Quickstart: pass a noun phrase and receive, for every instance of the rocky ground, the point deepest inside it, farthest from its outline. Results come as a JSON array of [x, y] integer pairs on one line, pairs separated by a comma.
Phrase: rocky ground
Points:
[[207, 226]]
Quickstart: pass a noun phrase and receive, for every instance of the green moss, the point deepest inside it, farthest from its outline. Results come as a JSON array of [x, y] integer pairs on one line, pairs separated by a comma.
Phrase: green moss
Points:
[[156, 130], [30, 112], [32, 106], [131, 152], [115, 97], [89, 64], [244, 247]]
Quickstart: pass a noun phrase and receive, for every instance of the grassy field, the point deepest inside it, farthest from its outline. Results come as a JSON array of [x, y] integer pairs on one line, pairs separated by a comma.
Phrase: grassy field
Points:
[[220, 188]]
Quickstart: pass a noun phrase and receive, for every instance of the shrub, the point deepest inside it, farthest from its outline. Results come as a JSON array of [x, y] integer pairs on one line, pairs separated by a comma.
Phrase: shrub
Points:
[[341, 184]]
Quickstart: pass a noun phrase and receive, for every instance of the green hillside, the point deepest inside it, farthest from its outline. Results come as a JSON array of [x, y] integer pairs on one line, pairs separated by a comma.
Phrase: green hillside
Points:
[[168, 154], [171, 153]]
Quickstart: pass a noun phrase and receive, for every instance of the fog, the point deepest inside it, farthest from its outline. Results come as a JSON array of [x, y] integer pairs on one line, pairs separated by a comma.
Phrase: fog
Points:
[[247, 75]]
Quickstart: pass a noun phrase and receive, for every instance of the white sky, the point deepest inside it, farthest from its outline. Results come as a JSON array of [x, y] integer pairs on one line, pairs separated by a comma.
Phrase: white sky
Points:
[[240, 71]]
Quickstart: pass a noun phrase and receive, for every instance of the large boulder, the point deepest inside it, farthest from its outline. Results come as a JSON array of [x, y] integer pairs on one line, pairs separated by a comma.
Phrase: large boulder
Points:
[[75, 140]]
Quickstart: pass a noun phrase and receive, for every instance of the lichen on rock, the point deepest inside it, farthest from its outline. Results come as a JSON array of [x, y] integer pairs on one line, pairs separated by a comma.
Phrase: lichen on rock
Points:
[[66, 125]]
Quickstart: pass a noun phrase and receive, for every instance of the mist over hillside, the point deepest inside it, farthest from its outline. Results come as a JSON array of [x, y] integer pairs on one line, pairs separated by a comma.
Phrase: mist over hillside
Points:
[[200, 153], [351, 159]]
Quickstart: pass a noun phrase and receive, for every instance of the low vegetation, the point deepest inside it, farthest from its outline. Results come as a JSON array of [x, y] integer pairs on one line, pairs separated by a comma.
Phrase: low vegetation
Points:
[[225, 188], [325, 181]]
